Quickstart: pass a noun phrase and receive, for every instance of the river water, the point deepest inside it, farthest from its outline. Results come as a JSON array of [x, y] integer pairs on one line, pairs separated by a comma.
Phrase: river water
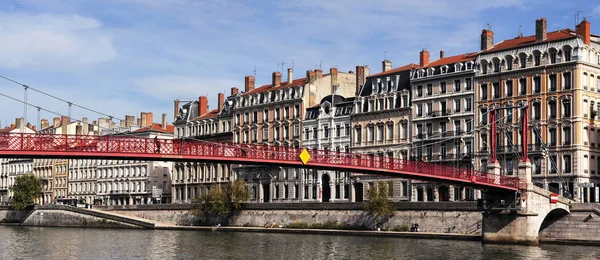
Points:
[[76, 243]]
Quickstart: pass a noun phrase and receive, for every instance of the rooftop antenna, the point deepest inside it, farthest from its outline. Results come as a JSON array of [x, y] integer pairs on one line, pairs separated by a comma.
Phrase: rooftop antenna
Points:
[[255, 72], [520, 33], [320, 62], [489, 26], [293, 63], [282, 63], [384, 57]]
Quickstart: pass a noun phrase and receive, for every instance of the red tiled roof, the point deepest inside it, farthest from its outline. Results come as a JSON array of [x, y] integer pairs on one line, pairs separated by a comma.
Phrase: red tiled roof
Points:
[[452, 59], [6, 130], [399, 69], [530, 40], [283, 85], [156, 128], [213, 113]]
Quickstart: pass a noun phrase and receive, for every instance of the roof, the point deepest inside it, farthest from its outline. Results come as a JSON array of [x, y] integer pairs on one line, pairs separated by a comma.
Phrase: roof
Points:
[[156, 128], [392, 71], [530, 40], [469, 56], [212, 114], [7, 129], [283, 85]]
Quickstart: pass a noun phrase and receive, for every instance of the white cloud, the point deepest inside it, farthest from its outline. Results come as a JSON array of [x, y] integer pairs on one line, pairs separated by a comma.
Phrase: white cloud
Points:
[[52, 42]]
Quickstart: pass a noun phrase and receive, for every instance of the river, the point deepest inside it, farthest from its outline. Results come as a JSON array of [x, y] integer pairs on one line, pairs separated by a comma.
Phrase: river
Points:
[[77, 243]]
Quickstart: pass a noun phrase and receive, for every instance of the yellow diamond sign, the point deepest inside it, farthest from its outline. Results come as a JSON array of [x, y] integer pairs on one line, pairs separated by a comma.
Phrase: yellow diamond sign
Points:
[[304, 156]]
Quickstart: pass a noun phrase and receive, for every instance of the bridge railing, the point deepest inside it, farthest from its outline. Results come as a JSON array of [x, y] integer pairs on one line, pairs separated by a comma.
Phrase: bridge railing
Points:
[[189, 147]]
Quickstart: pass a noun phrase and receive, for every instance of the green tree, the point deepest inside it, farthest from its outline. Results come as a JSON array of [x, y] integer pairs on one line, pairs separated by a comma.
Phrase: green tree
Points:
[[26, 188], [222, 200], [378, 203]]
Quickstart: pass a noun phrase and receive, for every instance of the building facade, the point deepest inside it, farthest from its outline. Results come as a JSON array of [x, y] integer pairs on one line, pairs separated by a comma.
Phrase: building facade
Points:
[[381, 123], [11, 168], [442, 120], [272, 115], [327, 127], [555, 74]]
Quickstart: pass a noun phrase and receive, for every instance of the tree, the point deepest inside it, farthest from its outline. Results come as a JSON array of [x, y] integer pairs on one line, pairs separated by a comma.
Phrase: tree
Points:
[[378, 203], [26, 188], [223, 200]]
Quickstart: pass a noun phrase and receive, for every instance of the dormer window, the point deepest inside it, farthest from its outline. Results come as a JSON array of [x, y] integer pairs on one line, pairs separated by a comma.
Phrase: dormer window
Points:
[[457, 67], [444, 69], [430, 71], [469, 65]]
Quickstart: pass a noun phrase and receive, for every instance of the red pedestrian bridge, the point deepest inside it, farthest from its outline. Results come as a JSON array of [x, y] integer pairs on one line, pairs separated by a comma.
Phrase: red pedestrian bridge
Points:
[[187, 150]]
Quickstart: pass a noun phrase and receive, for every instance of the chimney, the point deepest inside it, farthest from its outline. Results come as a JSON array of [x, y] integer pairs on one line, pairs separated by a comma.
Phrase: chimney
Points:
[[276, 79], [221, 101], [149, 118], [56, 122], [248, 83], [143, 119], [34, 128], [318, 73], [78, 129], [290, 76], [130, 121], [91, 128], [202, 105], [20, 123], [333, 73], [361, 75], [175, 109], [441, 54], [234, 91], [386, 65], [310, 76], [44, 124], [583, 30], [540, 30], [64, 123], [84, 120], [487, 39], [122, 123], [28, 125], [424, 58], [164, 120], [138, 122]]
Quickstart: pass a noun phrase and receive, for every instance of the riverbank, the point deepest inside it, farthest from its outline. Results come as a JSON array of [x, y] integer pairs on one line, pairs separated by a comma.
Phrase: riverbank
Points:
[[333, 232]]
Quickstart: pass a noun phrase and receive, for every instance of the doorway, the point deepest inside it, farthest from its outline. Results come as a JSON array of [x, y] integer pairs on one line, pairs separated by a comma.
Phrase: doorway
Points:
[[325, 188], [358, 192], [444, 193], [266, 192]]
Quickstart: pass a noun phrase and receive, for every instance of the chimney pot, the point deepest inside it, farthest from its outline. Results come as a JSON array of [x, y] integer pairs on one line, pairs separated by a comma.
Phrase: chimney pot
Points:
[[540, 29], [234, 91], [164, 120], [386, 65], [248, 83], [424, 57], [441, 54], [310, 76], [318, 73], [175, 109], [56, 122]]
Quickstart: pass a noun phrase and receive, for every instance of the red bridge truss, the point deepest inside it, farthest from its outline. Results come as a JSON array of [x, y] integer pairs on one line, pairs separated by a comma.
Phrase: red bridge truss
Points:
[[138, 148]]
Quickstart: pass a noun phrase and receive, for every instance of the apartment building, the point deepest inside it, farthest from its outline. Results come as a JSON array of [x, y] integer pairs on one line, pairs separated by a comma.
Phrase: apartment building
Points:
[[13, 167], [442, 120], [556, 74], [381, 123]]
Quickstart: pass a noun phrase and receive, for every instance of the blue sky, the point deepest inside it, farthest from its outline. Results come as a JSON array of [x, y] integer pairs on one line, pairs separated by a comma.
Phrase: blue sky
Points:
[[128, 56]]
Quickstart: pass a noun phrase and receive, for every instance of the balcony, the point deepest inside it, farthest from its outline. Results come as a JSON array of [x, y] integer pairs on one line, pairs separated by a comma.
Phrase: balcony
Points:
[[534, 147]]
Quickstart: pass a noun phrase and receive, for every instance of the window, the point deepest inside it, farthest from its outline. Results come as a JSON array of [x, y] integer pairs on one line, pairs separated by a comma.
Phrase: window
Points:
[[537, 59], [286, 113], [297, 113], [496, 63], [457, 105], [484, 92], [509, 88], [326, 131], [536, 84], [358, 135], [585, 80], [537, 165], [429, 130], [484, 67], [567, 163], [276, 133], [567, 52], [315, 133], [266, 115], [429, 89], [390, 132], [371, 133], [468, 105], [566, 135], [296, 131], [254, 135], [457, 127], [419, 131], [255, 117], [404, 130], [566, 80], [469, 124], [380, 133], [457, 85], [419, 90], [566, 108], [443, 128], [469, 83], [509, 166], [523, 60], [553, 82], [552, 132], [552, 105], [246, 118], [286, 132], [419, 109], [553, 164], [347, 129], [509, 63], [553, 57], [443, 87], [484, 116], [306, 134], [496, 88], [338, 130], [237, 119], [523, 86], [277, 114]]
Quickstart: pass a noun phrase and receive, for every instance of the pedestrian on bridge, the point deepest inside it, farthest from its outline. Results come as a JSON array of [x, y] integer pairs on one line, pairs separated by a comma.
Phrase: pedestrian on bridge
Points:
[[157, 144]]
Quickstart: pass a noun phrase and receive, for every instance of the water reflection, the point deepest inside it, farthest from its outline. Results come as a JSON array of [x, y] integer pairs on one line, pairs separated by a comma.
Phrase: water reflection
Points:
[[72, 243]]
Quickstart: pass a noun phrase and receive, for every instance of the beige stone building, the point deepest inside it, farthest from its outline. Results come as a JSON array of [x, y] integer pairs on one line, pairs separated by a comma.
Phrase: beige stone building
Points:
[[272, 115], [381, 125], [557, 74]]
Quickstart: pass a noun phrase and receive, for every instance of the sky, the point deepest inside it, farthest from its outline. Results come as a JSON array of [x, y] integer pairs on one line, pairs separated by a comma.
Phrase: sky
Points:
[[123, 57]]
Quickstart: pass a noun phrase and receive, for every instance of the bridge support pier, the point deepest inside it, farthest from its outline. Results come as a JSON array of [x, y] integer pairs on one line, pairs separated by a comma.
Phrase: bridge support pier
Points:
[[518, 220]]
